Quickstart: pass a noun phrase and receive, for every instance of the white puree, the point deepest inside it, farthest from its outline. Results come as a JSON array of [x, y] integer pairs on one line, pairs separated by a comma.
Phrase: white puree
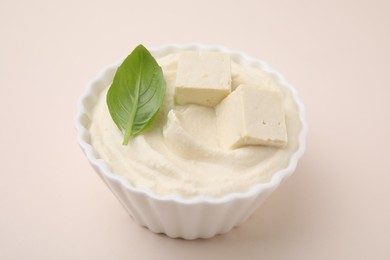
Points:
[[180, 155]]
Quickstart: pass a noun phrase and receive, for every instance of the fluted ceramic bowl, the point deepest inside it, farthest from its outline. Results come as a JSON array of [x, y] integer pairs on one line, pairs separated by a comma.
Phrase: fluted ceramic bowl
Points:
[[199, 217]]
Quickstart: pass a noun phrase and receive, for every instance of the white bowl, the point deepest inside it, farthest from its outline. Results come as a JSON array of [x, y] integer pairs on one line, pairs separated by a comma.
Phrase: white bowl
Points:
[[173, 215]]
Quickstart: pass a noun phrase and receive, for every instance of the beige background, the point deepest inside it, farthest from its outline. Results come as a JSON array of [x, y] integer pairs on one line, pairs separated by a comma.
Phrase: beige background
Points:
[[336, 53]]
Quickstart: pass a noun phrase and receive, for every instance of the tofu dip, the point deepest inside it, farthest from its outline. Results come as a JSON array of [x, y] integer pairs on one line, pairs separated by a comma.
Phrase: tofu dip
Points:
[[194, 149]]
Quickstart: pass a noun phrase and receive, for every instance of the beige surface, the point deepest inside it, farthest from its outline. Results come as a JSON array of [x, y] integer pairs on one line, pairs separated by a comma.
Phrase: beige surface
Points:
[[336, 205]]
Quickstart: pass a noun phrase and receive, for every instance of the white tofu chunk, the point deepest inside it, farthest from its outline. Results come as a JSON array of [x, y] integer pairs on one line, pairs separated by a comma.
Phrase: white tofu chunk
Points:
[[202, 78], [251, 116]]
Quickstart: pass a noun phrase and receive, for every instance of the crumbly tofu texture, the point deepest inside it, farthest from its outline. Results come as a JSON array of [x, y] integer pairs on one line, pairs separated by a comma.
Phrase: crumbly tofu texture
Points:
[[251, 116], [202, 78]]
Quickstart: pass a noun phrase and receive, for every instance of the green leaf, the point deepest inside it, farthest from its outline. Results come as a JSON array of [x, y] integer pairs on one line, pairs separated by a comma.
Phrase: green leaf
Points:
[[136, 93]]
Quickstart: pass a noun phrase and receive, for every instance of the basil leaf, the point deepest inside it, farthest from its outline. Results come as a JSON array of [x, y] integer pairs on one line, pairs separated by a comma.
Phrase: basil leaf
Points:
[[136, 93]]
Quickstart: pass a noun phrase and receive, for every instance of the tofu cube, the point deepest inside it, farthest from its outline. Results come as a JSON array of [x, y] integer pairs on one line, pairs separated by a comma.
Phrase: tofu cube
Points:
[[202, 78], [251, 116]]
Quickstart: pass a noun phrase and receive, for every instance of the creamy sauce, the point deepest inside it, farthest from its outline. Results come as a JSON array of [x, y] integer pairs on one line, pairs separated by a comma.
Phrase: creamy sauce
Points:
[[179, 154]]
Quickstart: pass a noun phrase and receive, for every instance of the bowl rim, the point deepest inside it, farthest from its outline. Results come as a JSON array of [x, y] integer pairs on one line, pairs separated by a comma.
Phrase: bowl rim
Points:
[[157, 52]]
